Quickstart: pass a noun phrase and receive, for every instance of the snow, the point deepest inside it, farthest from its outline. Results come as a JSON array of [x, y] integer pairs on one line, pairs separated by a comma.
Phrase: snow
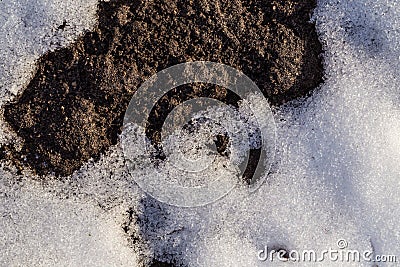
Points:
[[39, 229], [336, 176]]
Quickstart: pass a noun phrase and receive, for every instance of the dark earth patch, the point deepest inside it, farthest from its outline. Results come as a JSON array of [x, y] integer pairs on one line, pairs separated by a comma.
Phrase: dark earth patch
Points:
[[73, 108], [148, 222], [157, 263]]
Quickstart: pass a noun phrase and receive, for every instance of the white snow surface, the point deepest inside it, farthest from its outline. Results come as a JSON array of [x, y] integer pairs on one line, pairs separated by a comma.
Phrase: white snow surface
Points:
[[337, 171]]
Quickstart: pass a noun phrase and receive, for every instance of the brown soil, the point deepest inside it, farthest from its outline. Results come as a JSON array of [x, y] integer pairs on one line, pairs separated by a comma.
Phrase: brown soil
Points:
[[73, 108]]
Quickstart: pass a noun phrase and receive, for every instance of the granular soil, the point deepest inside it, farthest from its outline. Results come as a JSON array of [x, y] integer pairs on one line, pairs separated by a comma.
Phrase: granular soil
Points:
[[73, 108]]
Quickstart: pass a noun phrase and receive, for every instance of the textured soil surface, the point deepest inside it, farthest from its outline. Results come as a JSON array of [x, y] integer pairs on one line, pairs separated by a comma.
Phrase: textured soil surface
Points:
[[73, 108]]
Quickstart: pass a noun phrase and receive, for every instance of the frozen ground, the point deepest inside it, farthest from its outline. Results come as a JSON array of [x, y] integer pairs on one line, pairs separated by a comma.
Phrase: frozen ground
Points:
[[337, 174]]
